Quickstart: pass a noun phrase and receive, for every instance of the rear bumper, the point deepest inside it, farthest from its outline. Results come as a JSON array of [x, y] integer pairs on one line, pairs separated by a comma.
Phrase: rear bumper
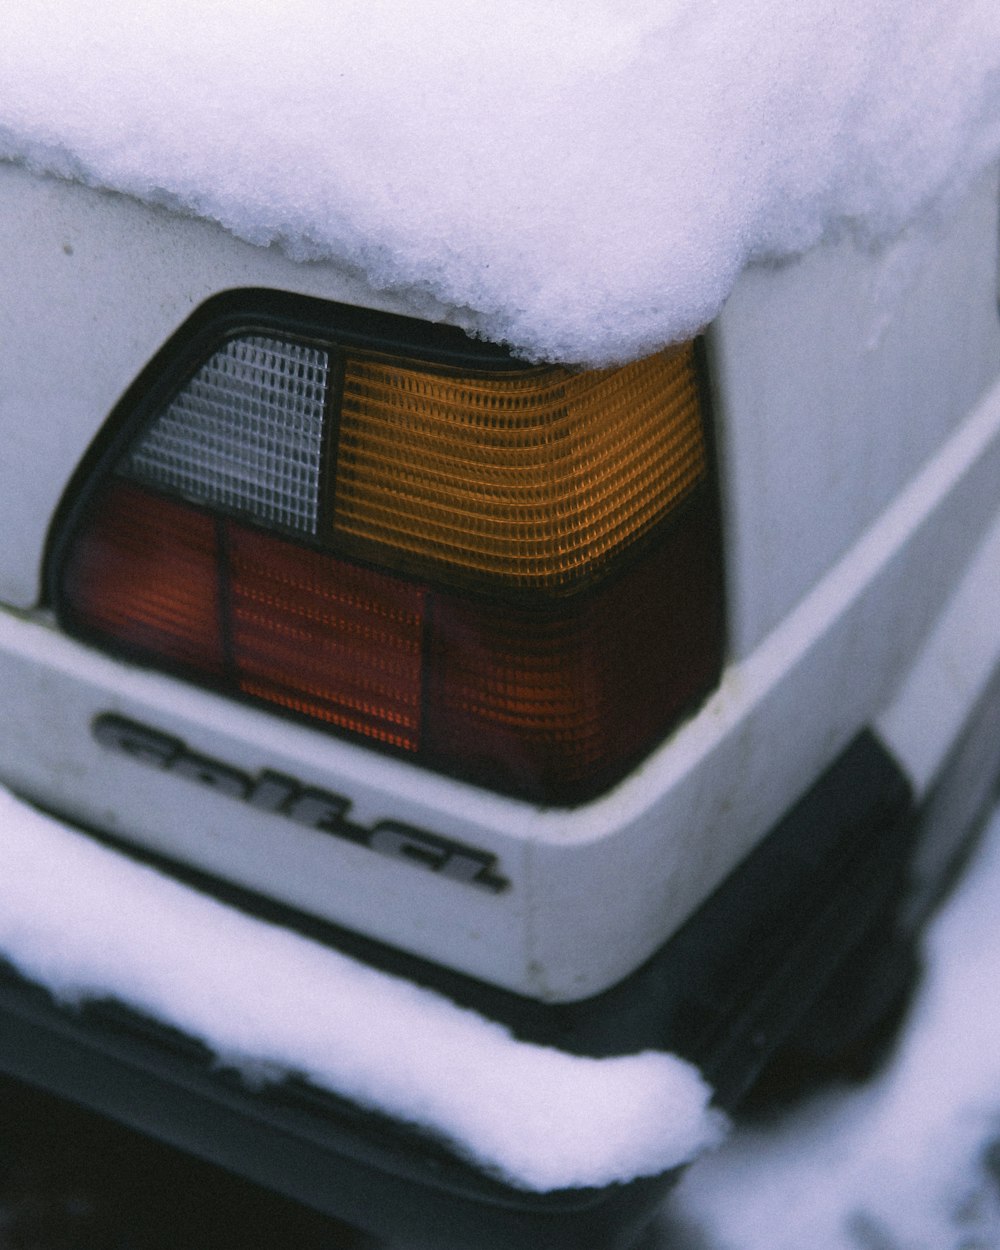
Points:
[[311, 1147], [726, 991]]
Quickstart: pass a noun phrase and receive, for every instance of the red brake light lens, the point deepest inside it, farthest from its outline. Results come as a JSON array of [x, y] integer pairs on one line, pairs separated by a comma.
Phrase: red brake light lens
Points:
[[316, 635], [144, 572]]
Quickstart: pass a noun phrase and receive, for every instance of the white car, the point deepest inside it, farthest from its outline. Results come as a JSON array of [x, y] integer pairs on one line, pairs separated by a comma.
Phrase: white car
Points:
[[644, 708]]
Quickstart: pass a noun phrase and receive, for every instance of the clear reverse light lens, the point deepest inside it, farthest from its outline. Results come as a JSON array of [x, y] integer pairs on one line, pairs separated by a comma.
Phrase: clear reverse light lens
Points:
[[245, 433]]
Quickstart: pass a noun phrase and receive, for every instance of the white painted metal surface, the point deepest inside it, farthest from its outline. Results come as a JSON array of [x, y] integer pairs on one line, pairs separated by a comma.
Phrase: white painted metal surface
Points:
[[858, 429]]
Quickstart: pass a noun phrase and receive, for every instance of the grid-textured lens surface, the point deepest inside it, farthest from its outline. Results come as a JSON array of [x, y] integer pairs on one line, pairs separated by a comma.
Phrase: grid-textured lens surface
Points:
[[527, 479], [549, 704], [326, 639], [145, 572], [509, 575], [245, 433]]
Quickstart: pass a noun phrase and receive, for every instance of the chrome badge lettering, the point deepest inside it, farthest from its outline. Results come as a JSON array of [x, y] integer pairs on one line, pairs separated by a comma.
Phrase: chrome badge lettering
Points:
[[317, 809]]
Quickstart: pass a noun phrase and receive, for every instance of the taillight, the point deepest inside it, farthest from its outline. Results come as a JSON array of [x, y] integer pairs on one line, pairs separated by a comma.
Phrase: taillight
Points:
[[509, 573]]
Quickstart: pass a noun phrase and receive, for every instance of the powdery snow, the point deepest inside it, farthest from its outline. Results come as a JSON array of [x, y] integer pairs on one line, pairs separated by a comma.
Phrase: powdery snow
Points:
[[89, 923], [899, 1164], [583, 178]]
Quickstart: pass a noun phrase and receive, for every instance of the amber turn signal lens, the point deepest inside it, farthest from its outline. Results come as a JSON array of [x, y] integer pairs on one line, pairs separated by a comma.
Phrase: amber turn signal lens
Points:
[[533, 479]]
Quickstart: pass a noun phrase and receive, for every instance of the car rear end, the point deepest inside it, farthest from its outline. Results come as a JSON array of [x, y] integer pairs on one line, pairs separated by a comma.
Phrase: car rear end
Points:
[[624, 706]]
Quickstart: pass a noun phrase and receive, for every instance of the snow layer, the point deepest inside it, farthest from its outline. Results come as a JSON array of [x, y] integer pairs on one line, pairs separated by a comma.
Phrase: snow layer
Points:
[[900, 1164], [89, 923], [583, 178]]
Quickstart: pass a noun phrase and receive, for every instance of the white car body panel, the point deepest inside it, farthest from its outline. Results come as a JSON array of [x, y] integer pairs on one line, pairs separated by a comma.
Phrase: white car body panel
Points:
[[859, 457], [94, 284]]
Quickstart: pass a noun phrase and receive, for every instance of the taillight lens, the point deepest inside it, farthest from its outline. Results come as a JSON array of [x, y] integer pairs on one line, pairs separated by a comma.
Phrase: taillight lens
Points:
[[508, 573], [533, 479]]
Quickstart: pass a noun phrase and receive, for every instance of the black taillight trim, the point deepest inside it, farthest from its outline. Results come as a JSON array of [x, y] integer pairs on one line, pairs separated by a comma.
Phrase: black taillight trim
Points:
[[333, 327]]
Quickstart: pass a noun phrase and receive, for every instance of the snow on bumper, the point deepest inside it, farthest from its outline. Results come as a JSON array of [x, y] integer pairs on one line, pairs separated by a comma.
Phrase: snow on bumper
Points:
[[89, 923]]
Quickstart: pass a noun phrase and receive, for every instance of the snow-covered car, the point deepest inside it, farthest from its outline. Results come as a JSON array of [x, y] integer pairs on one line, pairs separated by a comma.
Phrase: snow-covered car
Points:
[[360, 671]]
